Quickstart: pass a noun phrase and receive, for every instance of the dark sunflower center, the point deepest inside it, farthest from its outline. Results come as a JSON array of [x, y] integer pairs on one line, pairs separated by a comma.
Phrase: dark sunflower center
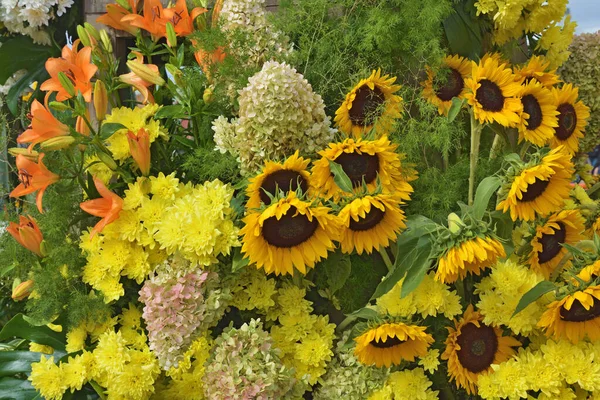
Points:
[[578, 313], [366, 104], [452, 87], [389, 342], [285, 180], [490, 96], [478, 347], [371, 219], [532, 107], [567, 121], [551, 243], [357, 166], [289, 230], [534, 190]]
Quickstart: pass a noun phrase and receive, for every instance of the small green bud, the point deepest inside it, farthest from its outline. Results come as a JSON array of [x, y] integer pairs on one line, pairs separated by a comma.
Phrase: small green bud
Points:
[[66, 83], [106, 159], [58, 106], [83, 36], [91, 30], [171, 35], [106, 41], [455, 224]]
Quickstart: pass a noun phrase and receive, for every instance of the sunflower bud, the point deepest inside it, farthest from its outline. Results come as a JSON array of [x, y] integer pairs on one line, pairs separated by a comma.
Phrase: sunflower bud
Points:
[[31, 156], [171, 35], [100, 100], [106, 159], [145, 73], [22, 290], [455, 224], [106, 41], [57, 143], [83, 36], [91, 30], [207, 96], [66, 83]]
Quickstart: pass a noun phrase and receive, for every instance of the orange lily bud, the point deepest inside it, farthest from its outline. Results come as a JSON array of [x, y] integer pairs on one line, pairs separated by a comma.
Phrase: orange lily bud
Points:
[[91, 30], [81, 126], [145, 72], [106, 41], [108, 207], [59, 143], [83, 36], [58, 106], [27, 233], [139, 146], [171, 35], [31, 156], [100, 99], [106, 159], [22, 290], [207, 95]]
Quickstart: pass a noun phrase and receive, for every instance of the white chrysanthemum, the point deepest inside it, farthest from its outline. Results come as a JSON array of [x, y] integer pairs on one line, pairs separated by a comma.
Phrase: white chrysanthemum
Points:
[[279, 114], [25, 17]]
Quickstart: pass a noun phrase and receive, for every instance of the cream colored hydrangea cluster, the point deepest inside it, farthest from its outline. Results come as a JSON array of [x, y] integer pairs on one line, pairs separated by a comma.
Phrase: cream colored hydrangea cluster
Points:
[[500, 292], [430, 298], [553, 370], [279, 114], [160, 216], [249, 17]]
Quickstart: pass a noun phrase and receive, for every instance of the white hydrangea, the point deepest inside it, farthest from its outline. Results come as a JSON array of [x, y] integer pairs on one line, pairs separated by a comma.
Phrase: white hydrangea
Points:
[[279, 114], [28, 17]]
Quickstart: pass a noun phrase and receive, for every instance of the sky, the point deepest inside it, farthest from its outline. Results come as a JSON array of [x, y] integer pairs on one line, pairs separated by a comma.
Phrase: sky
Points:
[[587, 15]]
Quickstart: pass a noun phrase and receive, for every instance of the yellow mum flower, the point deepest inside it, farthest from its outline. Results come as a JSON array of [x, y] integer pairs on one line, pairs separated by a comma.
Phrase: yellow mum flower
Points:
[[40, 348], [47, 378], [431, 361]]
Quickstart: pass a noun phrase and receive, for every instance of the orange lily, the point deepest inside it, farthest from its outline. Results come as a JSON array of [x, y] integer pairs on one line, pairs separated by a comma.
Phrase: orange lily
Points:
[[138, 83], [152, 21], [139, 146], [114, 14], [34, 177], [43, 126], [76, 65], [183, 22], [108, 207], [206, 60], [27, 233]]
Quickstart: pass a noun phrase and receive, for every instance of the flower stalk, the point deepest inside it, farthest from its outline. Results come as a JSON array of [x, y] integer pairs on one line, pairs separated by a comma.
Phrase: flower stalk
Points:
[[476, 129]]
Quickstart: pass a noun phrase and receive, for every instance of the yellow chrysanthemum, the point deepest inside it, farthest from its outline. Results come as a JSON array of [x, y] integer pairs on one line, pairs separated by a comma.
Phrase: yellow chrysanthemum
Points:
[[430, 361], [471, 256], [537, 69], [289, 234], [46, 377], [368, 160], [98, 169], [492, 93], [370, 222], [539, 116], [371, 103], [540, 189], [572, 118], [440, 94], [574, 317], [390, 343], [133, 120], [408, 385], [285, 176], [567, 226], [472, 347]]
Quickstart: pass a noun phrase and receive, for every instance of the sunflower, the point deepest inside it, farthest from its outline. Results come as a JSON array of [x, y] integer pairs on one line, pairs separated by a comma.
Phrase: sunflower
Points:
[[538, 118], [456, 69], [492, 91], [537, 69], [470, 256], [289, 234], [566, 226], [574, 317], [472, 347], [370, 222], [290, 175], [541, 188], [370, 103], [572, 118], [390, 343], [363, 159]]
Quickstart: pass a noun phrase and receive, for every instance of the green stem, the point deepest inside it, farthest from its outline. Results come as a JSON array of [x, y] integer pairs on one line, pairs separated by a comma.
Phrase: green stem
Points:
[[496, 146], [386, 259], [476, 128], [344, 324], [524, 150]]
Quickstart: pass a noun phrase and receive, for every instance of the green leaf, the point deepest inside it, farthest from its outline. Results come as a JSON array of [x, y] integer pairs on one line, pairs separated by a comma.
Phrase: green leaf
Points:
[[15, 362], [99, 389], [23, 54], [18, 327], [7, 268], [532, 295], [109, 128], [238, 261], [17, 389], [366, 313], [338, 267], [339, 177], [455, 108], [416, 272], [174, 111], [463, 33], [484, 193], [34, 73]]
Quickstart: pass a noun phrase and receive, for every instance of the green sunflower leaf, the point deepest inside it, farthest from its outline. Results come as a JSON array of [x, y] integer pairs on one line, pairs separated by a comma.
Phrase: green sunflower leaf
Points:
[[338, 268], [339, 177], [238, 261], [533, 294], [484, 193], [109, 128]]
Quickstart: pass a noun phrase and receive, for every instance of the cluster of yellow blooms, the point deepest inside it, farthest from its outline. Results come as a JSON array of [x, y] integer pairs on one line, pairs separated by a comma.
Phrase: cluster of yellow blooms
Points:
[[121, 363], [160, 217], [406, 385]]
